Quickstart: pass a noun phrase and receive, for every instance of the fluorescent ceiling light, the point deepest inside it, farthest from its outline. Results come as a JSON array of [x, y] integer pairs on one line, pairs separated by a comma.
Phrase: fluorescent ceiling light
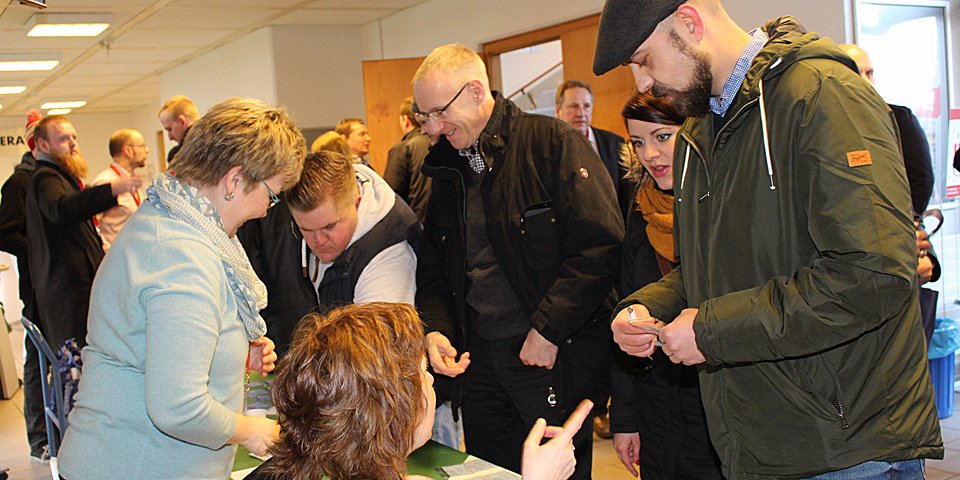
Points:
[[59, 111], [12, 89], [27, 65], [68, 104], [68, 25]]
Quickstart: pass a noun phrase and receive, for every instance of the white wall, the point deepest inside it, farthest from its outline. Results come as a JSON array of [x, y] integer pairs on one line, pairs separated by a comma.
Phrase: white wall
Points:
[[93, 135], [826, 17], [319, 76], [242, 68], [417, 30]]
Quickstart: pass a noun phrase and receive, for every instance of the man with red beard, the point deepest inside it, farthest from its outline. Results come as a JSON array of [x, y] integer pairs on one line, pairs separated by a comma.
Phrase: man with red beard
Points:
[[65, 249]]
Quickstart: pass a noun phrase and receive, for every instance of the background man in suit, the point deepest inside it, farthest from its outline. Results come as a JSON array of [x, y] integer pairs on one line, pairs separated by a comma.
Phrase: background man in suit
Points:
[[574, 106]]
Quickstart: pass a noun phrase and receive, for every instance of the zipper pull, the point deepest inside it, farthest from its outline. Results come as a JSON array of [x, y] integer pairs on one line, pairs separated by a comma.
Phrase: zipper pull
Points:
[[551, 398]]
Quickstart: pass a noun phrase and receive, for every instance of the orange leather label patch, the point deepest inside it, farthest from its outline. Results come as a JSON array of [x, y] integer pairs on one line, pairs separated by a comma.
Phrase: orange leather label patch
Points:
[[859, 158]]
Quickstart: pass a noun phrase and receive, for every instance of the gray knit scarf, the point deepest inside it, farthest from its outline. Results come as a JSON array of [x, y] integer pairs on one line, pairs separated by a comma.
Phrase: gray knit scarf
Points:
[[187, 204]]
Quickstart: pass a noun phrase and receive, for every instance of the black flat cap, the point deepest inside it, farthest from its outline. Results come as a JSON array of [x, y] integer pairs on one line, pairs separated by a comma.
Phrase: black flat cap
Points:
[[624, 25]]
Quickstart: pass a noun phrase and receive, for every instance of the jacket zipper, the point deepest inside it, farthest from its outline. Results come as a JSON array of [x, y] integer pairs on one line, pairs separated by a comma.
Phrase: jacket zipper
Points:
[[713, 148], [841, 412]]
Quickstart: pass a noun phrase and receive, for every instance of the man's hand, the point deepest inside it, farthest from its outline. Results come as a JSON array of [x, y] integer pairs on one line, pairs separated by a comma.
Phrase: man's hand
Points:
[[924, 269], [923, 243], [553, 460], [443, 357], [631, 338], [262, 358], [679, 339], [627, 446], [125, 185], [538, 351]]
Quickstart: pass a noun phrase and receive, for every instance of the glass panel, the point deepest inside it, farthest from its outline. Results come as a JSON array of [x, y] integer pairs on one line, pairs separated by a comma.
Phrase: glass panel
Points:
[[907, 47], [530, 76], [907, 44]]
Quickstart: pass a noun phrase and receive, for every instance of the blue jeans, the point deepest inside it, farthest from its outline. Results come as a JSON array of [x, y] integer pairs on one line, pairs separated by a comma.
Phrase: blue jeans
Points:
[[902, 470], [445, 430]]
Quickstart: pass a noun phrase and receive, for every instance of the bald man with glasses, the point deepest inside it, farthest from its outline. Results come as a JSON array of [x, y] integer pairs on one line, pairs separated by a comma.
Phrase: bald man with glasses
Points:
[[520, 253]]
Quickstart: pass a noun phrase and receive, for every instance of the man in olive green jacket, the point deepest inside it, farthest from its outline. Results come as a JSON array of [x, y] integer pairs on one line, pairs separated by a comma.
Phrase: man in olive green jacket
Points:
[[797, 287]]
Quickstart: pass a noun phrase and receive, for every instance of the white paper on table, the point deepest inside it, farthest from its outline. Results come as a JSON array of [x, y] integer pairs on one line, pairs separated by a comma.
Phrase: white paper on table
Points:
[[474, 468]]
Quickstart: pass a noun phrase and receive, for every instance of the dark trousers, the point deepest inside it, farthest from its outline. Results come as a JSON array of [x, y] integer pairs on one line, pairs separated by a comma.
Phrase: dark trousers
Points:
[[502, 400], [33, 400]]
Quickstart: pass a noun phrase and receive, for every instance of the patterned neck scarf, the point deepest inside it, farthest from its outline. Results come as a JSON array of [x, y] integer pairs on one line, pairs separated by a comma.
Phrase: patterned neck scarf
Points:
[[187, 204], [472, 153]]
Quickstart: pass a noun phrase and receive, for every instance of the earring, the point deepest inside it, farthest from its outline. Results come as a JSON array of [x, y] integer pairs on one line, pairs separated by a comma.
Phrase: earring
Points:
[[228, 196]]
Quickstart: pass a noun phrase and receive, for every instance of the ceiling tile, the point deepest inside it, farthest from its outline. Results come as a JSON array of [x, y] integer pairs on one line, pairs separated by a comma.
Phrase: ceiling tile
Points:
[[103, 69], [331, 17], [140, 55], [387, 4], [235, 3], [123, 76], [202, 18], [169, 37]]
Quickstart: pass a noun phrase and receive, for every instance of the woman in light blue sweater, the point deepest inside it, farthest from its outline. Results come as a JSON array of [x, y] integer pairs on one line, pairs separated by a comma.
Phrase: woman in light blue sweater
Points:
[[174, 322]]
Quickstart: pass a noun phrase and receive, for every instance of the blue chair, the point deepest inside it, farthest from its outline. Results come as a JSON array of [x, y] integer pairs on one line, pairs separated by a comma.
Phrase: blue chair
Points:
[[52, 387]]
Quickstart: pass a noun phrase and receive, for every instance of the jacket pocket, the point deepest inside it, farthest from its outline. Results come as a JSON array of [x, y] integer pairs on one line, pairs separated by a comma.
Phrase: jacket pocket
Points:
[[823, 382], [539, 239]]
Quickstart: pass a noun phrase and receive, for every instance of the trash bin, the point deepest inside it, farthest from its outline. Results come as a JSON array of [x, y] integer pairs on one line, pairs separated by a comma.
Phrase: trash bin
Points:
[[941, 355]]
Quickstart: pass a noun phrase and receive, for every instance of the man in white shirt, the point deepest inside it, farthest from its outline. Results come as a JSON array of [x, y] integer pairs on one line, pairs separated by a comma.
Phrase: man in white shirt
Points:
[[129, 152]]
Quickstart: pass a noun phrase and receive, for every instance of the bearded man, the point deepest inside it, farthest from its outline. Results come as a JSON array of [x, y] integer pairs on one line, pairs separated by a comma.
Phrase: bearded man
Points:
[[65, 248], [807, 336]]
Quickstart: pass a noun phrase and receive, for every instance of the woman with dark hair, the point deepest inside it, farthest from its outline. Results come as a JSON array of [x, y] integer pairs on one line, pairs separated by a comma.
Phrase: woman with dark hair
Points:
[[354, 398], [174, 323], [655, 403]]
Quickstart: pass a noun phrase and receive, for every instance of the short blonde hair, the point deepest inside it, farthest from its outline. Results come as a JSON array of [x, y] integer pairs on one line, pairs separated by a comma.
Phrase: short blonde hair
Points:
[[331, 141], [456, 61], [262, 140], [327, 175], [180, 105], [349, 394]]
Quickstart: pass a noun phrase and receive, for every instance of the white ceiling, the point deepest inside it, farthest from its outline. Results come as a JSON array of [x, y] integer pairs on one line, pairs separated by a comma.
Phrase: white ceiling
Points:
[[118, 71]]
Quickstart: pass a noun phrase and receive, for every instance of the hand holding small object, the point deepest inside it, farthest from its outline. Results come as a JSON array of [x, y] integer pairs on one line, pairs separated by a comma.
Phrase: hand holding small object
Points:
[[631, 338]]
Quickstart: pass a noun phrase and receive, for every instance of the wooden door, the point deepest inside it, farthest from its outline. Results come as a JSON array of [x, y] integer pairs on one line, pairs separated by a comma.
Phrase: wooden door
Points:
[[610, 91], [385, 84], [578, 39]]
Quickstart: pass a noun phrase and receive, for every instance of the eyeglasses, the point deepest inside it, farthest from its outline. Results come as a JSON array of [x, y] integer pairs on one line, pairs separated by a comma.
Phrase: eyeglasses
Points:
[[274, 198], [438, 113], [137, 145]]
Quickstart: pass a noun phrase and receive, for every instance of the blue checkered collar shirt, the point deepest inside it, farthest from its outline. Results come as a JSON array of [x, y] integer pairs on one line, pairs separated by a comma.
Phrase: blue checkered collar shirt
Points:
[[719, 106]]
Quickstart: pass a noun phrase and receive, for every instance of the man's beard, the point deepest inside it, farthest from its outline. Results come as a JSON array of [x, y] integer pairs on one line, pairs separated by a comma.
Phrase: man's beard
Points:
[[75, 165], [693, 101]]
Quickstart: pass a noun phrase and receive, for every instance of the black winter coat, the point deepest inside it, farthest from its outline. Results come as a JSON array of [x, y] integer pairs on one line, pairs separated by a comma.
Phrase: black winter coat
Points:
[[554, 227], [13, 228], [65, 249]]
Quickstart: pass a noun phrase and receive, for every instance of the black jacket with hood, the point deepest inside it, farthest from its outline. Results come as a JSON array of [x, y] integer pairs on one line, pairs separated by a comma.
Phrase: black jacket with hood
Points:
[[554, 225], [796, 243]]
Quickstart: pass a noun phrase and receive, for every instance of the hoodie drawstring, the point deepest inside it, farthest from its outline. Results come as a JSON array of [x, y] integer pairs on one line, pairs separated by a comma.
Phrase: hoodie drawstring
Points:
[[683, 173], [766, 136]]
